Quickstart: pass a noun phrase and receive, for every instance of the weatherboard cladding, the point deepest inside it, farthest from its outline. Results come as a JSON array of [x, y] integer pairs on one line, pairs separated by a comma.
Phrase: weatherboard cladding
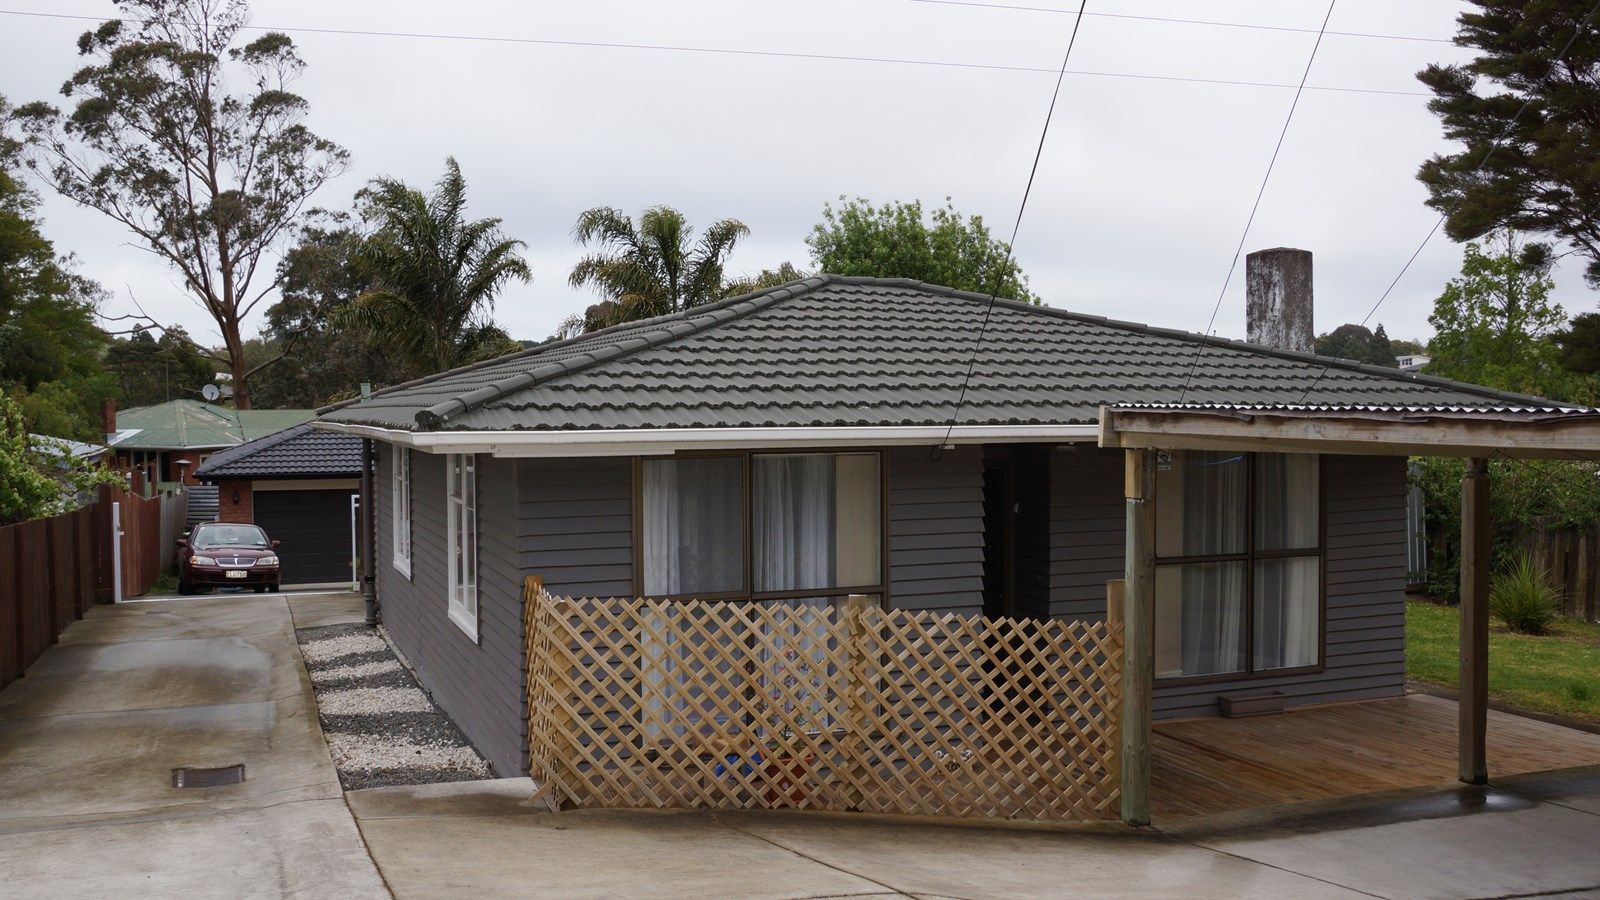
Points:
[[478, 683], [833, 351], [298, 452]]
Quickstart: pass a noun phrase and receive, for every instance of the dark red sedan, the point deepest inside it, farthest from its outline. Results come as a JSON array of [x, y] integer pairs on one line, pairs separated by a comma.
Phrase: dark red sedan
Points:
[[223, 554]]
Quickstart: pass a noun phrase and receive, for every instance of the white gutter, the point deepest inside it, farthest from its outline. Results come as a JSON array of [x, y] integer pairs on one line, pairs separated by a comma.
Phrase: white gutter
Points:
[[660, 441]]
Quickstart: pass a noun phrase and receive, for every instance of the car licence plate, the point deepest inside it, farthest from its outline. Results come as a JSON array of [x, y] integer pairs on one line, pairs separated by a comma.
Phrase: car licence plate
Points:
[[237, 573]]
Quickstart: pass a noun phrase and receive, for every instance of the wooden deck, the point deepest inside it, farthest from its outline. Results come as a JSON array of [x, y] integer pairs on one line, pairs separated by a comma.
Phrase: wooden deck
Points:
[[1206, 766]]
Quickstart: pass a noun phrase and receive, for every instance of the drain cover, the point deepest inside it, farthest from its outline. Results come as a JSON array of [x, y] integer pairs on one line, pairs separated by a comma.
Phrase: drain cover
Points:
[[196, 778]]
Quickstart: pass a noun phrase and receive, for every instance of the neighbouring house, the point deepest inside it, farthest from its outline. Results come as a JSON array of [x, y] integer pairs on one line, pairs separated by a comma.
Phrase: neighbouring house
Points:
[[1413, 362], [916, 447], [300, 486], [161, 446]]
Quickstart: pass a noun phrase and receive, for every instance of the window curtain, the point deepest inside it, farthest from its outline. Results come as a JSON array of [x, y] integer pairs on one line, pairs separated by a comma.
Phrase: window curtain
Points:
[[693, 526], [1286, 501], [1286, 612], [1213, 522], [1286, 590], [1199, 619], [793, 520]]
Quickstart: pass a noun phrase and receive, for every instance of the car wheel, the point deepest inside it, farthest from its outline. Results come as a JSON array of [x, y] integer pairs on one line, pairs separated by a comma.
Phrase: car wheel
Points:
[[261, 589], [273, 588], [185, 588]]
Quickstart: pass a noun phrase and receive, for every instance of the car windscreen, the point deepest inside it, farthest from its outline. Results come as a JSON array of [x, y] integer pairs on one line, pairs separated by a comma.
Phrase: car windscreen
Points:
[[228, 536]]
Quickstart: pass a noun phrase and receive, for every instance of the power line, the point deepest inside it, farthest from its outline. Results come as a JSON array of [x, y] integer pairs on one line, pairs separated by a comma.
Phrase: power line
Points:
[[773, 54], [1260, 192], [1488, 155], [1207, 22], [1016, 227]]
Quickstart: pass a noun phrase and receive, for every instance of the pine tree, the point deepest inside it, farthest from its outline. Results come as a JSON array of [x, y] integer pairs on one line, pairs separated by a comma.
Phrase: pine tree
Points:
[[1540, 176]]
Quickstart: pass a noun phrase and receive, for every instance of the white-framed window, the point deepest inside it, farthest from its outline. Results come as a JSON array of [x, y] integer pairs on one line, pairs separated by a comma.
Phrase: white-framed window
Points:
[[461, 499], [400, 499]]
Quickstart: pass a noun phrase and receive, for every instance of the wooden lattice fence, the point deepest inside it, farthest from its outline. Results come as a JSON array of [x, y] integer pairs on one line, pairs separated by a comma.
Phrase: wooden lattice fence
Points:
[[734, 705]]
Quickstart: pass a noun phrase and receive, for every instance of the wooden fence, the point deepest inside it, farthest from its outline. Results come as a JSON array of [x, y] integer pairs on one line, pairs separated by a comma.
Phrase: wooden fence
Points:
[[735, 705], [47, 581], [1570, 557], [151, 527]]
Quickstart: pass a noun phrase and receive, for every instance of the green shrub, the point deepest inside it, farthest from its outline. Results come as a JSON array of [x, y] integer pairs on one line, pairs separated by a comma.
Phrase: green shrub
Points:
[[1523, 598]]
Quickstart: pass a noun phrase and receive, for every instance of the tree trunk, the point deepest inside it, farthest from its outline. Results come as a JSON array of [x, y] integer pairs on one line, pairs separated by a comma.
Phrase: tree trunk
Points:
[[241, 386], [236, 363]]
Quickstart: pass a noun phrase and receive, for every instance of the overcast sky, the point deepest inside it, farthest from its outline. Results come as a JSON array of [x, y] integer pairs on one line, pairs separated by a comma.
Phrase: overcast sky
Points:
[[1142, 192]]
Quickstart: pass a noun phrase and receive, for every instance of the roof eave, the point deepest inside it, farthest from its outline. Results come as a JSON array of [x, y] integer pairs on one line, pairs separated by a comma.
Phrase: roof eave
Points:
[[1445, 432], [663, 441]]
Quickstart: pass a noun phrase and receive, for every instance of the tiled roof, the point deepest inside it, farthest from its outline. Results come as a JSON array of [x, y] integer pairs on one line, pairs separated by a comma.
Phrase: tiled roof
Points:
[[836, 351], [297, 452], [190, 424]]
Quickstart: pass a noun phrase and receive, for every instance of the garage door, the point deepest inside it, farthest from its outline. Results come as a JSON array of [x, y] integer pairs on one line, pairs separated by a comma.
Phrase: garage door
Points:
[[315, 529]]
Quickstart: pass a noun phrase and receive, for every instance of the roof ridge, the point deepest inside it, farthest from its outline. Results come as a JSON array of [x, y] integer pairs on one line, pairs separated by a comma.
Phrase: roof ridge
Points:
[[1215, 341], [669, 327], [233, 454]]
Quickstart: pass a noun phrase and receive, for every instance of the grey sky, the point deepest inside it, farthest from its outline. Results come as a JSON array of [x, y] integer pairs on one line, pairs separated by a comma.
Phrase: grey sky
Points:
[[1141, 195]]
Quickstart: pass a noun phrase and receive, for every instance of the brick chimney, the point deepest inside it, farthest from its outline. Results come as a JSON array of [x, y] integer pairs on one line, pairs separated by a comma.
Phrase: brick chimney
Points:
[[108, 418], [1277, 304]]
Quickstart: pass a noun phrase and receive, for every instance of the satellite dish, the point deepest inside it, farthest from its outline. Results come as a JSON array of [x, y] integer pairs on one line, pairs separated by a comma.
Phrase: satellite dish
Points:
[[211, 392]]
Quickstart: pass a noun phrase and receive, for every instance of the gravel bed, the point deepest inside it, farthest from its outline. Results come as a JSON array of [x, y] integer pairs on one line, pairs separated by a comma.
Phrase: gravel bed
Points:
[[418, 728], [382, 728], [372, 701], [333, 674], [323, 649], [396, 677]]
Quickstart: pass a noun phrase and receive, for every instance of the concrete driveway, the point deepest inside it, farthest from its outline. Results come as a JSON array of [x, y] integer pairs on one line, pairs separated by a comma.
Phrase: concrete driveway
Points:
[[89, 738]]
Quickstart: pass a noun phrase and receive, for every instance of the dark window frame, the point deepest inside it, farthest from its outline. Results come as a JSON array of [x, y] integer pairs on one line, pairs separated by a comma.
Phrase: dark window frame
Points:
[[747, 592], [1249, 559]]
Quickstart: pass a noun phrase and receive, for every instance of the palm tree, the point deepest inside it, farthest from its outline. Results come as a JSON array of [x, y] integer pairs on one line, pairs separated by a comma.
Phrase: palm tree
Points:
[[650, 270], [433, 274]]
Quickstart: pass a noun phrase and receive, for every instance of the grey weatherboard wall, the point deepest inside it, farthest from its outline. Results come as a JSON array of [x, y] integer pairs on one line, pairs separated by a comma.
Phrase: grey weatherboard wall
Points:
[[571, 521], [935, 529], [479, 684], [1365, 563]]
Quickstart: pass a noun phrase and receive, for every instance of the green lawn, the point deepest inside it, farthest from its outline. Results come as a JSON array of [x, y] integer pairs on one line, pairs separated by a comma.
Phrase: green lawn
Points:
[[1557, 673]]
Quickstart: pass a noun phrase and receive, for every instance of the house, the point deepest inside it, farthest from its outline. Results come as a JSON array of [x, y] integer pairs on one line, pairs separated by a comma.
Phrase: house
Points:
[[167, 442], [300, 486], [821, 441], [1413, 362]]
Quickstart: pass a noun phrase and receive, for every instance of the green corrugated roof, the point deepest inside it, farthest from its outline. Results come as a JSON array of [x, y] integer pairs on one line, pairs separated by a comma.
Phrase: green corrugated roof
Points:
[[190, 424]]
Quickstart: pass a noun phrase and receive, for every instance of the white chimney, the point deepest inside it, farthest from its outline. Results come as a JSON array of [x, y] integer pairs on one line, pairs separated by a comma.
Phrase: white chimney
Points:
[[1277, 305]]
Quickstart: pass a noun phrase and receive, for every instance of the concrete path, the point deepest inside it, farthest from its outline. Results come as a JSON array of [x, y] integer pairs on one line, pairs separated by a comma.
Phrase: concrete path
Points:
[[1530, 836], [89, 738]]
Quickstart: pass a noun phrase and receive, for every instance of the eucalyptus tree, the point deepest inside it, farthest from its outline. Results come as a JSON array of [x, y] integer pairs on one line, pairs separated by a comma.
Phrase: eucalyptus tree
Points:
[[432, 274], [652, 268], [207, 178]]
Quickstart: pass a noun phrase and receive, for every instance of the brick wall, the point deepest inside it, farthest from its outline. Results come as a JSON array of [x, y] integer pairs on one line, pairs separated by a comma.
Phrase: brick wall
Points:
[[187, 472], [230, 510]]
